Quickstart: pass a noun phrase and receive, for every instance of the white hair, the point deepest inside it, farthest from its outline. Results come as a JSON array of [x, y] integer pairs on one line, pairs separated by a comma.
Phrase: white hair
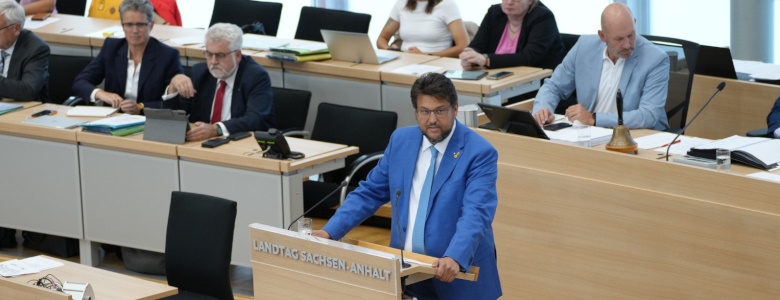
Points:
[[225, 32], [14, 12]]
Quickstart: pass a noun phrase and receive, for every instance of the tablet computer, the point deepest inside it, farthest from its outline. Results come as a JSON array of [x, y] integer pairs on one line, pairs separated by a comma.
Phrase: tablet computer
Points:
[[512, 120], [465, 75]]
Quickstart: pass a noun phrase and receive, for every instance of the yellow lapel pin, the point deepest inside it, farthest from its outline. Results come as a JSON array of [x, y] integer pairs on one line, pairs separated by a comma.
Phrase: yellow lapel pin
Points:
[[456, 154]]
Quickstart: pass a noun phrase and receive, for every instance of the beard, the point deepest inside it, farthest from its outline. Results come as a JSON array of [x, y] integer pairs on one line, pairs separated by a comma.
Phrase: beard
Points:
[[441, 137]]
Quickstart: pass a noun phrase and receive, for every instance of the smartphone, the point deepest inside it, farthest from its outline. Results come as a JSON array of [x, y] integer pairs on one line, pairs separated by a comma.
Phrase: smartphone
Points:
[[41, 16], [215, 142], [499, 75], [556, 126], [239, 136], [44, 112]]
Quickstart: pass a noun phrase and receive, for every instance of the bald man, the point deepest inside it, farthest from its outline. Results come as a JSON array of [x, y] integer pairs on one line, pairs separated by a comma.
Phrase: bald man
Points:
[[598, 65]]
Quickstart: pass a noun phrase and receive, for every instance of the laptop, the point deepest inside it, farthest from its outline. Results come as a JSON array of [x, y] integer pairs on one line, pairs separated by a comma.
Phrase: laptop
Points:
[[512, 120], [165, 125], [354, 47], [717, 61]]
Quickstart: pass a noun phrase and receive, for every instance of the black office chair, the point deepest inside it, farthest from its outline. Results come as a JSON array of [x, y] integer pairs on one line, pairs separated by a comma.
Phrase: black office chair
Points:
[[198, 245], [62, 70], [569, 40], [291, 108], [763, 132], [247, 12], [681, 74], [313, 19], [72, 7], [367, 129]]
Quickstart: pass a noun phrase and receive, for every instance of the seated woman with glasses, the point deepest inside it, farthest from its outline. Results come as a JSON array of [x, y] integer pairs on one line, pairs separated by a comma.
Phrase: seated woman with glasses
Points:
[[136, 69], [515, 33], [426, 27]]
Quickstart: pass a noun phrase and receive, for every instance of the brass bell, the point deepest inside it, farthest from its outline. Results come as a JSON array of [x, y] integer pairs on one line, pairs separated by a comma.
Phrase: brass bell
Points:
[[621, 138]]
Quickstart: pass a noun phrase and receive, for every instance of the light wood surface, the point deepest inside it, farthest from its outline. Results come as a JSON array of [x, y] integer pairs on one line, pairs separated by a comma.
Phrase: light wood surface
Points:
[[405, 59], [586, 223], [22, 291], [105, 284], [72, 30], [25, 104], [741, 106], [134, 143], [13, 123]]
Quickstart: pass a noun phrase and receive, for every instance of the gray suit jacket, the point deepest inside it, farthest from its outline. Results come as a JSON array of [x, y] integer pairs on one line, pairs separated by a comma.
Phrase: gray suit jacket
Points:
[[644, 83], [28, 71]]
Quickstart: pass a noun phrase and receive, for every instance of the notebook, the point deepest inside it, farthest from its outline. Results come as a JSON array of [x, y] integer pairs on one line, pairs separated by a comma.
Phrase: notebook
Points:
[[354, 47]]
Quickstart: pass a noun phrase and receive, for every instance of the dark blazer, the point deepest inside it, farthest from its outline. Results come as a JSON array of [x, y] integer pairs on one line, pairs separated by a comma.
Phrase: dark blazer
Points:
[[158, 65], [773, 120], [539, 45], [28, 71], [252, 106]]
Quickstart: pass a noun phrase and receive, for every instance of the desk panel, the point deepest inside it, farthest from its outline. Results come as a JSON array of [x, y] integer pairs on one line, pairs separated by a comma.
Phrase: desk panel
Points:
[[126, 197]]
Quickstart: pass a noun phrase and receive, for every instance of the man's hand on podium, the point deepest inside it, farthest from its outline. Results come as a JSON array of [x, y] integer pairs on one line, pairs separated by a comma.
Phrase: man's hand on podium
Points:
[[446, 269], [321, 233]]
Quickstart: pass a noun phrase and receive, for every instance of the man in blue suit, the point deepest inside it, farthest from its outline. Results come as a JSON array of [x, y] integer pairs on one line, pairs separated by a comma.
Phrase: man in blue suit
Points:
[[597, 66], [146, 62], [441, 176], [773, 119], [229, 93]]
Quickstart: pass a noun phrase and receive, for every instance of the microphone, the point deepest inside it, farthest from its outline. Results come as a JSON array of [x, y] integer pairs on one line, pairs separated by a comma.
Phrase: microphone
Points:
[[720, 88], [404, 264], [342, 185]]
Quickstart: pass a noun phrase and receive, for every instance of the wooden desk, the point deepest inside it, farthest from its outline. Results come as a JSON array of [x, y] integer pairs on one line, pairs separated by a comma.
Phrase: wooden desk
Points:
[[68, 36], [105, 284], [741, 106], [39, 177], [586, 223], [268, 191], [396, 86]]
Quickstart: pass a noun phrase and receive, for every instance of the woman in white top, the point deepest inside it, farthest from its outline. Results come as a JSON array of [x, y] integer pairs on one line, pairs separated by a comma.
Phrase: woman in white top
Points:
[[426, 27]]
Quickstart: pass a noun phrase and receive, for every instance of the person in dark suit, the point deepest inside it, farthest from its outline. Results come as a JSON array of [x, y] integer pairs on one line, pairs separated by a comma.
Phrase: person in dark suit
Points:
[[440, 176], [515, 33], [149, 64], [229, 93], [24, 58], [773, 120]]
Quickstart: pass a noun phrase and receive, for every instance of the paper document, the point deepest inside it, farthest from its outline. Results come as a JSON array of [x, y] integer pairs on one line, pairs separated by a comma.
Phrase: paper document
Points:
[[188, 40], [41, 263], [733, 142], [766, 176], [416, 69], [15, 268], [9, 107], [91, 111], [661, 139], [684, 145], [113, 31], [263, 42], [55, 122], [767, 151], [30, 24], [311, 46], [120, 121], [598, 135]]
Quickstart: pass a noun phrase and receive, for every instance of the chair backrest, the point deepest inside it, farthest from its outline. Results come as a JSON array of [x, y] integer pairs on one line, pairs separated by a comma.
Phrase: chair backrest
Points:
[[313, 19], [569, 40], [367, 129], [245, 12], [291, 108], [62, 70], [682, 63], [72, 7], [198, 244]]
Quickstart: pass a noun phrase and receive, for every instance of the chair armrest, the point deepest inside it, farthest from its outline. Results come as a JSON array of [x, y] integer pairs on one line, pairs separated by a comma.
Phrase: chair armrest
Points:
[[73, 101], [298, 133], [763, 132], [355, 167]]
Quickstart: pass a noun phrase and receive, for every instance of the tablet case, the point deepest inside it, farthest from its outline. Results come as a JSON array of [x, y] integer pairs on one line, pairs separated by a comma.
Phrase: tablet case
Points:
[[165, 125]]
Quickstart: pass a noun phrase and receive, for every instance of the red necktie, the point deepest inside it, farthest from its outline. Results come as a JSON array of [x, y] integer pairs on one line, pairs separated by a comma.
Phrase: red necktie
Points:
[[216, 116]]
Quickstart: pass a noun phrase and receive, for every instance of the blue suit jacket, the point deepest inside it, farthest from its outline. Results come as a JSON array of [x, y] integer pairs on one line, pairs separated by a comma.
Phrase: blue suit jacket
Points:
[[460, 213], [643, 83], [773, 119], [158, 66], [252, 103]]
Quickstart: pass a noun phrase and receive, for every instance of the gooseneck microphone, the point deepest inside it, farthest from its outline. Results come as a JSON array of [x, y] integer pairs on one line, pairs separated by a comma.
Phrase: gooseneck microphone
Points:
[[404, 264], [720, 88], [342, 185]]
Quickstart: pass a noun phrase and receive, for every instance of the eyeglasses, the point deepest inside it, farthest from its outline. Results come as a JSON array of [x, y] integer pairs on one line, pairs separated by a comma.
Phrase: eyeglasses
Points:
[[9, 25], [514, 1], [425, 113], [131, 26], [218, 55]]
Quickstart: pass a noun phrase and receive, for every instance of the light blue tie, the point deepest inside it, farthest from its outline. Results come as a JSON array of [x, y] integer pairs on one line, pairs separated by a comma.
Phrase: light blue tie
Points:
[[418, 236], [3, 55]]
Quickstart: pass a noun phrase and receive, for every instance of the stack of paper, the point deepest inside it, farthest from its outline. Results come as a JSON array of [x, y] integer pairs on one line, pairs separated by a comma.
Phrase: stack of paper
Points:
[[121, 125], [299, 51], [25, 266], [92, 111], [263, 42], [55, 122], [9, 107], [416, 69], [598, 135]]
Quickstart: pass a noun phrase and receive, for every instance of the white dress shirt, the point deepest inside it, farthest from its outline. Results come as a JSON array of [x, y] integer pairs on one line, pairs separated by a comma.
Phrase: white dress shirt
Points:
[[7, 62], [418, 179], [227, 100], [608, 84], [131, 83], [777, 133]]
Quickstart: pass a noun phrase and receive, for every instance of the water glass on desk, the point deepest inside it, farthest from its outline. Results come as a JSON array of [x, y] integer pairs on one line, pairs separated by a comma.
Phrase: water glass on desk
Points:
[[304, 226], [583, 133], [723, 160]]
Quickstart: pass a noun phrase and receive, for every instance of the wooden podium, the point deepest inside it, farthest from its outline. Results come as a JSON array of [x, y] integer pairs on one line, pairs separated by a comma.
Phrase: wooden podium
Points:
[[288, 266]]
